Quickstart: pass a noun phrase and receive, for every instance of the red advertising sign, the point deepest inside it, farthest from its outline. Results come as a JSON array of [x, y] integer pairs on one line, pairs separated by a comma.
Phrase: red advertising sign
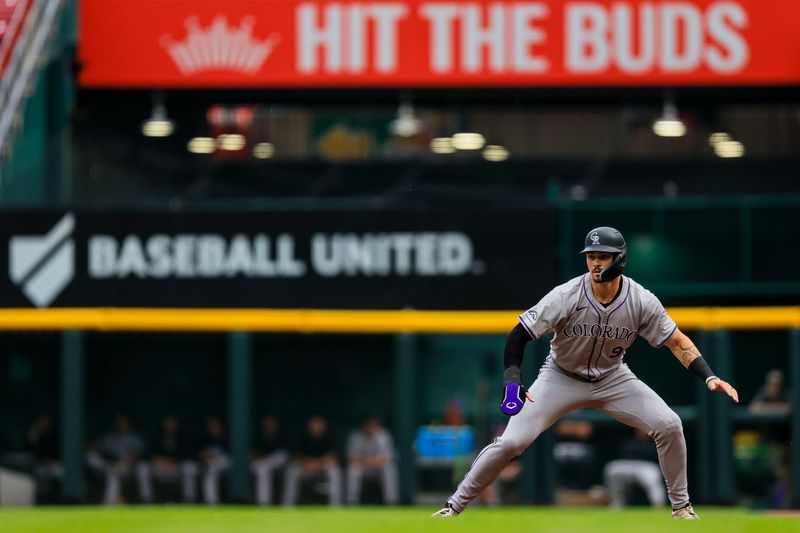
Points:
[[12, 15], [438, 43]]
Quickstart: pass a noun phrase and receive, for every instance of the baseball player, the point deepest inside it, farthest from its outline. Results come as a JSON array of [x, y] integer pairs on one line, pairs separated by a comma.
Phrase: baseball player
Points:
[[595, 318]]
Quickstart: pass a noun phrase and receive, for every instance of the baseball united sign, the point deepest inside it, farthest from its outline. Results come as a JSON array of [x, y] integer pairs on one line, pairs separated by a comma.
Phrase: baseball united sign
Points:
[[281, 43], [443, 260]]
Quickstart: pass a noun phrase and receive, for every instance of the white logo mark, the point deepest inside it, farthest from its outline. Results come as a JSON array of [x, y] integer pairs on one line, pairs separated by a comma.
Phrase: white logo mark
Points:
[[595, 238], [220, 47], [43, 266]]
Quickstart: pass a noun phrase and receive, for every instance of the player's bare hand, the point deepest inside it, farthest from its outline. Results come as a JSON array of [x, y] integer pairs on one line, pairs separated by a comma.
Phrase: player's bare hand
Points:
[[529, 395], [724, 386]]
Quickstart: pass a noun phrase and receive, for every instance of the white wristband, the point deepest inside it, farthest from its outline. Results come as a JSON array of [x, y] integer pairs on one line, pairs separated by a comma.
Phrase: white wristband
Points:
[[710, 378]]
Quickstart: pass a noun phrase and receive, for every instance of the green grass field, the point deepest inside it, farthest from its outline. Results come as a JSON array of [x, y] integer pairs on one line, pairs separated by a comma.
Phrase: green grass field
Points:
[[380, 520]]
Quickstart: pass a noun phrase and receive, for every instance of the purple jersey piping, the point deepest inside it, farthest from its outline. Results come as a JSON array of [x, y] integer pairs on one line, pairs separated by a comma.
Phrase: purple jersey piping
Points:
[[594, 344], [671, 333], [608, 318], [524, 325]]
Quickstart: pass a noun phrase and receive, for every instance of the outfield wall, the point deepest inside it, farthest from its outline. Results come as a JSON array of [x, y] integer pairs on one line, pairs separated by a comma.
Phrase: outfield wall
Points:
[[410, 378]]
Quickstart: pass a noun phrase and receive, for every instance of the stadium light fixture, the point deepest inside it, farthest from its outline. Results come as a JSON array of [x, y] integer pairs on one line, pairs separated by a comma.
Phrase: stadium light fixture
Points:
[[158, 125], [725, 145], [717, 137], [263, 150], [495, 152], [668, 124], [442, 145], [728, 149], [201, 145], [231, 141], [468, 141], [406, 124]]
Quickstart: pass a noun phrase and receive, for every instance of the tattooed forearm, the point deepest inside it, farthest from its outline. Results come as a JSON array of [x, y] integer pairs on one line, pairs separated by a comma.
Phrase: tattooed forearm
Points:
[[686, 354]]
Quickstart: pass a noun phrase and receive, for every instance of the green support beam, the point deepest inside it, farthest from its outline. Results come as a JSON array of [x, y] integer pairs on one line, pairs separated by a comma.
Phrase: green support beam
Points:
[[746, 243], [405, 362], [72, 381], [703, 427], [794, 380], [240, 348], [566, 246], [62, 190], [23, 176], [529, 485], [539, 476], [544, 470], [715, 456], [723, 481]]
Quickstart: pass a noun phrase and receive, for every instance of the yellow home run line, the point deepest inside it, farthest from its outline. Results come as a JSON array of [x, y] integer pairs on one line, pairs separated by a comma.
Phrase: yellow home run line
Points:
[[351, 320]]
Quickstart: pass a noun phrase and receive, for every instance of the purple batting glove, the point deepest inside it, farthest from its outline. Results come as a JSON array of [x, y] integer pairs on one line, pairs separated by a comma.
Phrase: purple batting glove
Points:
[[514, 392]]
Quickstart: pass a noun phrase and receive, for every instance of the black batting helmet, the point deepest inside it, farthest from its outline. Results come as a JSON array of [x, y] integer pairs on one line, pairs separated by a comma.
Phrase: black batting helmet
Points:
[[608, 240]]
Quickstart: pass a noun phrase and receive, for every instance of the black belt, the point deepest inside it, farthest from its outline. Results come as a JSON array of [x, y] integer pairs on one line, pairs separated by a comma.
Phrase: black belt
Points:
[[578, 376]]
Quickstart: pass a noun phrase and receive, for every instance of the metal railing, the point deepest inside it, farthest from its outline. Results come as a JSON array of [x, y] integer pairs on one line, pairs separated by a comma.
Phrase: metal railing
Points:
[[26, 58], [350, 321]]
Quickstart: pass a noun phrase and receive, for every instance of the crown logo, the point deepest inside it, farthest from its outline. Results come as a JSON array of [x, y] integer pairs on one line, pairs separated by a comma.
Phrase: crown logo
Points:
[[220, 47]]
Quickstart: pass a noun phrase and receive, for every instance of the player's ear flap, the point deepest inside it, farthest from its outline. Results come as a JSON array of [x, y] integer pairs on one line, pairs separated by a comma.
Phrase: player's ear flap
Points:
[[616, 267]]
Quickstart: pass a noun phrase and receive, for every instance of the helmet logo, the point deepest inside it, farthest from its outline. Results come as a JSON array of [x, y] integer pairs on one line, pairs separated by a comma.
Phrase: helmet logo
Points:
[[595, 238]]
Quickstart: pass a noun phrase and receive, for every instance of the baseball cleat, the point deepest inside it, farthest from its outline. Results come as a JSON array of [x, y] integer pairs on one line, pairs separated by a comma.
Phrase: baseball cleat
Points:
[[445, 512], [685, 513]]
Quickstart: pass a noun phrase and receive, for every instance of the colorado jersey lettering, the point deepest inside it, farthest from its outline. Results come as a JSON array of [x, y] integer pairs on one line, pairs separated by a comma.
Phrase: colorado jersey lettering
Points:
[[590, 339]]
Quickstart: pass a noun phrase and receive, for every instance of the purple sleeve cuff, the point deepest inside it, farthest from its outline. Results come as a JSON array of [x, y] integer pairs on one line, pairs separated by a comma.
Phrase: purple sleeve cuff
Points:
[[524, 325], [671, 333]]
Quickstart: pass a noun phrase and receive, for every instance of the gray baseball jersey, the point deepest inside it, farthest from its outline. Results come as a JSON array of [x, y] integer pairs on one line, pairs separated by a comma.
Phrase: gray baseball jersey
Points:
[[585, 370], [590, 339]]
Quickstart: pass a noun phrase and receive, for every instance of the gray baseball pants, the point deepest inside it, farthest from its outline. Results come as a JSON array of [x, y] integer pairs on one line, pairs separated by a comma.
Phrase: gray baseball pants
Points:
[[620, 395]]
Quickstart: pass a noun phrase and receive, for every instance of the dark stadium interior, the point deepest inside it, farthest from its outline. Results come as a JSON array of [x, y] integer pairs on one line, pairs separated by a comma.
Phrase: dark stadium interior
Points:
[[585, 145]]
